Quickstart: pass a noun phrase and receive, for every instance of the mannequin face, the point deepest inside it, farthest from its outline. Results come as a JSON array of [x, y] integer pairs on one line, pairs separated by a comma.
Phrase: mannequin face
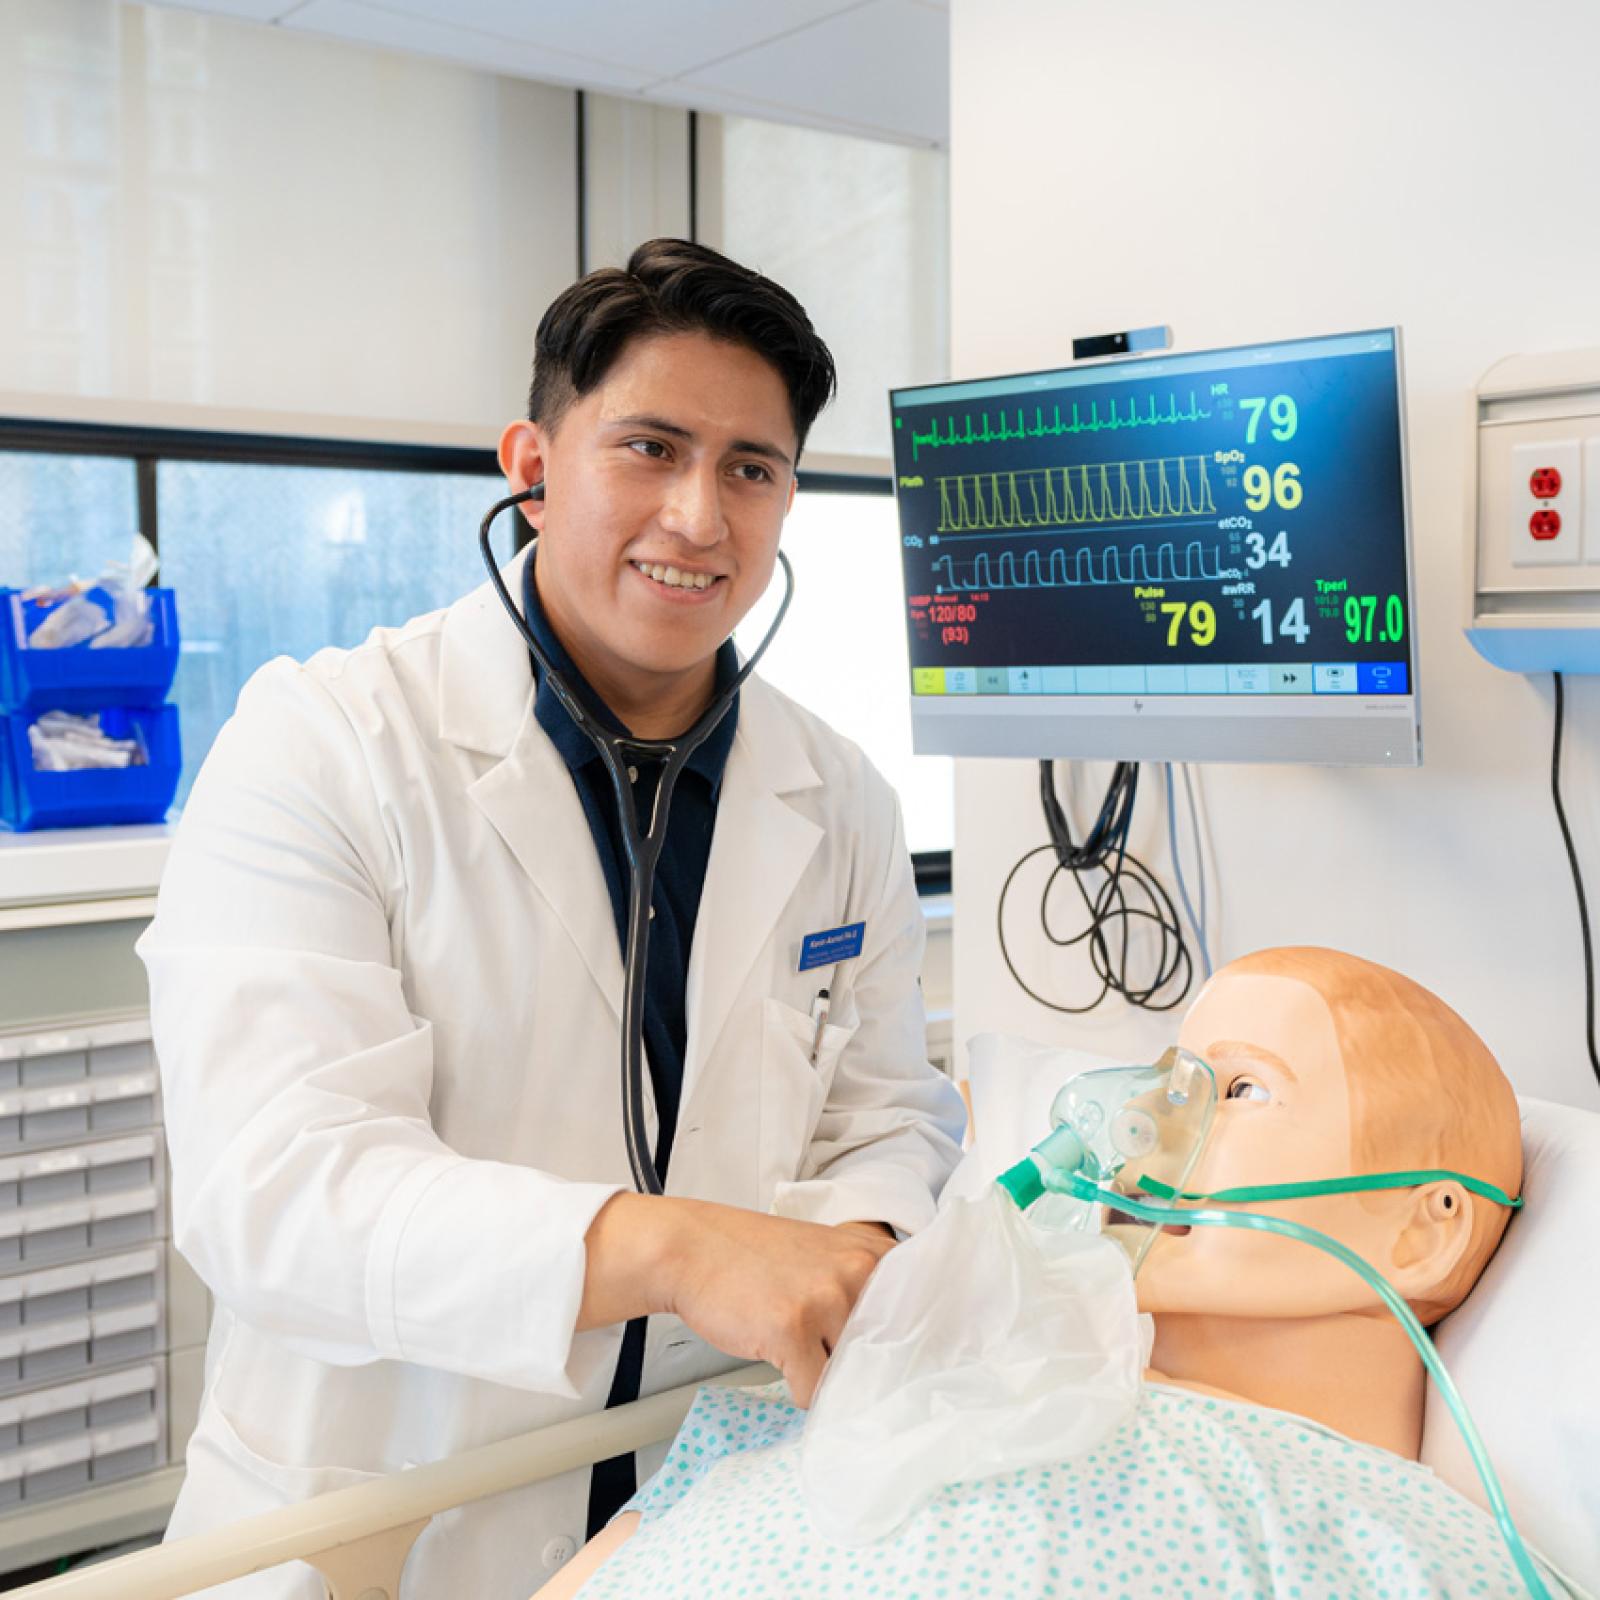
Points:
[[1283, 1116]]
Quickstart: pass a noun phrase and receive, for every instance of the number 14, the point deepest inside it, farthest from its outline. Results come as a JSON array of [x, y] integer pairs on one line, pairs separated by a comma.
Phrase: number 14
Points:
[[1292, 625]]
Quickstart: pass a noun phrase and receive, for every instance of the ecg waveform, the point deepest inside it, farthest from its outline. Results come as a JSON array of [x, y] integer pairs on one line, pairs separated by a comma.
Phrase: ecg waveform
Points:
[[985, 432], [1054, 497], [1081, 568]]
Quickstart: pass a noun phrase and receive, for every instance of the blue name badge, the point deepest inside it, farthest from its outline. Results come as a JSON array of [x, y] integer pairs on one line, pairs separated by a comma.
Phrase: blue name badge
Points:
[[833, 944]]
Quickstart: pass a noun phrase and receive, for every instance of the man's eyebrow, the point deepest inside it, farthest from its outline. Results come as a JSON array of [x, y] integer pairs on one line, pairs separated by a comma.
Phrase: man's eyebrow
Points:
[[1238, 1047], [741, 447]]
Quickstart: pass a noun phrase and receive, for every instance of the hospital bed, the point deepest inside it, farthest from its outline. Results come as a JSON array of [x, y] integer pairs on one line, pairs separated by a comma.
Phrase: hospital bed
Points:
[[1522, 1350]]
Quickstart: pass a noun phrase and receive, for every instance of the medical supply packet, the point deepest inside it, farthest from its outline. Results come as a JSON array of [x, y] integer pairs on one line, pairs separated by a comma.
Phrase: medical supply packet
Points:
[[988, 1342], [74, 617]]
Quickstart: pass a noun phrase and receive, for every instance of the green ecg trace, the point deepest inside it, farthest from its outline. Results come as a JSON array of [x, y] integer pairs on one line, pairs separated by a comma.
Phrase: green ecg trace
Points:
[[986, 433]]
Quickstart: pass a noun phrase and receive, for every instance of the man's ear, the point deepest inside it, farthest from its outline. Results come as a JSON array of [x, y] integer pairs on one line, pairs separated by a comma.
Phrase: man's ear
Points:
[[522, 460], [1435, 1230]]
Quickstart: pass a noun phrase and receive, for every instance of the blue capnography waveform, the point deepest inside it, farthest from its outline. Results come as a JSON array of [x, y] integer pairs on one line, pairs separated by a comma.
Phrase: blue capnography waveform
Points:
[[1081, 568]]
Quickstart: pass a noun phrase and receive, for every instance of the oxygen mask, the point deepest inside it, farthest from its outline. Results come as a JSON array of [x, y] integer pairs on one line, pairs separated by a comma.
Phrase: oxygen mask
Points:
[[1123, 1131]]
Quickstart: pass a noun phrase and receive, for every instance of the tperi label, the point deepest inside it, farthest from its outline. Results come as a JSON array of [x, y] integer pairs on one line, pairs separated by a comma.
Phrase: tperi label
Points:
[[834, 944]]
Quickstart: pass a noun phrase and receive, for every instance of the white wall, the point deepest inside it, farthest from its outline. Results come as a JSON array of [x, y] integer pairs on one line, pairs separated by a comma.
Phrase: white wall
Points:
[[203, 213], [1254, 173]]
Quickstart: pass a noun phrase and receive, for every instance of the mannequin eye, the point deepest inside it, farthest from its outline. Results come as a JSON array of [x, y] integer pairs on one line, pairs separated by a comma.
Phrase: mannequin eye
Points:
[[1247, 1089]]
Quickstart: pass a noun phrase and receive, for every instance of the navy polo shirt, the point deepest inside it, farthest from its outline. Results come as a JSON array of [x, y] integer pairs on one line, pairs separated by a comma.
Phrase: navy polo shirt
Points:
[[680, 878]]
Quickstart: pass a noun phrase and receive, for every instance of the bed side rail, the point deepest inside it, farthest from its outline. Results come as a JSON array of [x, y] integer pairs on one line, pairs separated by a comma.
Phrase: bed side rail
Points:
[[359, 1538]]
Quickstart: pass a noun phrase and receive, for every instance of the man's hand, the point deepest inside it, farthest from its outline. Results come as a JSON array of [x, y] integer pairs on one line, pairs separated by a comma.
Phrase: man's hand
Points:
[[764, 1288], [873, 1230]]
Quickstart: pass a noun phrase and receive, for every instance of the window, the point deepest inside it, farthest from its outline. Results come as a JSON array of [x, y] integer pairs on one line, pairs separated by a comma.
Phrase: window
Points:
[[204, 211], [271, 560], [841, 651], [856, 228], [63, 514]]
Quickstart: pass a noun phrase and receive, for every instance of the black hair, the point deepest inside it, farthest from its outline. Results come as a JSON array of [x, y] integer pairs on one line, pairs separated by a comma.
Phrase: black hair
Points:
[[675, 286]]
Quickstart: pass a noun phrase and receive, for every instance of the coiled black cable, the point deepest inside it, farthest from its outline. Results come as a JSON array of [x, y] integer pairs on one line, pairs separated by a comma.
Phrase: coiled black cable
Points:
[[1111, 917], [1577, 877]]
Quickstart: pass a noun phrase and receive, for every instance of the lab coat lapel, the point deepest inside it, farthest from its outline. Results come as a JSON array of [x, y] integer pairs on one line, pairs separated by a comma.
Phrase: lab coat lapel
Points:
[[486, 704], [759, 850], [531, 800]]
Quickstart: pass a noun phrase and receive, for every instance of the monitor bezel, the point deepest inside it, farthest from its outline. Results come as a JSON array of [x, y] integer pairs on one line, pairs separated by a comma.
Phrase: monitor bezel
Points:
[[1108, 727]]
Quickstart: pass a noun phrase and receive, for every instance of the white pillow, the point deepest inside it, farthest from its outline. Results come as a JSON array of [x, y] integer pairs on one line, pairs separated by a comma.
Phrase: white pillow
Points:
[[1013, 1082], [1522, 1348]]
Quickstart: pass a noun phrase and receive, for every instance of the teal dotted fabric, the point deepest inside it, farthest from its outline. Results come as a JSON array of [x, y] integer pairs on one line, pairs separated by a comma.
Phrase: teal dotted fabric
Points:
[[1194, 1498]]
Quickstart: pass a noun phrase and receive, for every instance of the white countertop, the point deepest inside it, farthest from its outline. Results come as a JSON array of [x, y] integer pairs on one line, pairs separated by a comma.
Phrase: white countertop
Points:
[[56, 866]]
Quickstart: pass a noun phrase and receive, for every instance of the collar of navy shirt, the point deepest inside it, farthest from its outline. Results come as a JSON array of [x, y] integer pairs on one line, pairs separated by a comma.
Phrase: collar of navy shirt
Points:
[[574, 745]]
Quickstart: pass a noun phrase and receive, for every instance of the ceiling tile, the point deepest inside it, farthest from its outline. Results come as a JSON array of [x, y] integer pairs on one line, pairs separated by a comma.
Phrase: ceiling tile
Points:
[[884, 65], [660, 40], [696, 98], [249, 10], [364, 23], [877, 68]]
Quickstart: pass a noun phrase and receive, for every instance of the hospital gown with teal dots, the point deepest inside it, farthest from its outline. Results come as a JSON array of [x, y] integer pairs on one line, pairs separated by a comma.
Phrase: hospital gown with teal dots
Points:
[[1193, 1499]]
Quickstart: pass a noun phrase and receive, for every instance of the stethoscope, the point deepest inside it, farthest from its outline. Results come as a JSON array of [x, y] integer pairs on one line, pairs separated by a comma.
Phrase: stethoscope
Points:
[[619, 751]]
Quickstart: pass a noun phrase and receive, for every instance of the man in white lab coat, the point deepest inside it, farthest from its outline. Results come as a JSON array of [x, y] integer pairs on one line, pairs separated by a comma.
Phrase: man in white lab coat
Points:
[[386, 975]]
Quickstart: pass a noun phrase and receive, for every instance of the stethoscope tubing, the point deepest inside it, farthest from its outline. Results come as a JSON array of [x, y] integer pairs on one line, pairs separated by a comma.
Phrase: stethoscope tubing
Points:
[[643, 850]]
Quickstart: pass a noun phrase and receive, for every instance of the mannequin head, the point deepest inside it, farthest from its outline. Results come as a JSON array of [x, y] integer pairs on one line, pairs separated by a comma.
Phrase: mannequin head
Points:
[[1328, 1066]]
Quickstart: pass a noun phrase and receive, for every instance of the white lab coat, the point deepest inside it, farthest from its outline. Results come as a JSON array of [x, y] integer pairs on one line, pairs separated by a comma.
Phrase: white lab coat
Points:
[[386, 984]]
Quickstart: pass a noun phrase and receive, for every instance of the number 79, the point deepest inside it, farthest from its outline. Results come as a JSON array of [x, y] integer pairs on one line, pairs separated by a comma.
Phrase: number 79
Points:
[[1202, 621]]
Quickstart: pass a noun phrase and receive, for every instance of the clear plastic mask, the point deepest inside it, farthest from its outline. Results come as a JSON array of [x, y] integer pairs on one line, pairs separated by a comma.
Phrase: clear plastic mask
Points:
[[1118, 1127]]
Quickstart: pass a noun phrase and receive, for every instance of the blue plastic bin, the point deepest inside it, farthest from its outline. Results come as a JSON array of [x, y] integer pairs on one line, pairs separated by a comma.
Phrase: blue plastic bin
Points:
[[81, 678], [31, 799]]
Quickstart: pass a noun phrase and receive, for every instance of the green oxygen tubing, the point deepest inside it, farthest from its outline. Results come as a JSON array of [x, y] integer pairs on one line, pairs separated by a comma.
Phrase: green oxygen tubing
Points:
[[1080, 1187]]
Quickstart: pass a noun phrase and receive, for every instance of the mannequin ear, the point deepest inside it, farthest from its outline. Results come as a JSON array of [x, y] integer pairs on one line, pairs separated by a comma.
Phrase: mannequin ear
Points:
[[1435, 1229], [522, 460]]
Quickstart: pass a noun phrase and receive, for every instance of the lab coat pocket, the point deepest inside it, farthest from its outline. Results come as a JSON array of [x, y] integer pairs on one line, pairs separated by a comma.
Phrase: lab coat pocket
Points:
[[224, 1421], [289, 1484], [794, 1089]]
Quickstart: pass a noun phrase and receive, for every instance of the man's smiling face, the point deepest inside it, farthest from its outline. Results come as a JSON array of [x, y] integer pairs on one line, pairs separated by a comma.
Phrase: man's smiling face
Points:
[[666, 490]]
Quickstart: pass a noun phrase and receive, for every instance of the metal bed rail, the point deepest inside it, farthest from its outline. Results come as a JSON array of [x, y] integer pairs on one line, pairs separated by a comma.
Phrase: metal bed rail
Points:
[[359, 1538]]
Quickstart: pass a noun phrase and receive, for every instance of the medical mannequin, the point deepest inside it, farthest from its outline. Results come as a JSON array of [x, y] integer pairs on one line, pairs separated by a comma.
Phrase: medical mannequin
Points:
[[1329, 1065], [1326, 1066]]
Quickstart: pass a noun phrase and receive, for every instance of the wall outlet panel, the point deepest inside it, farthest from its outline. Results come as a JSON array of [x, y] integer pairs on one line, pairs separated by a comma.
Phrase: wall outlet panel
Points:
[[1536, 602]]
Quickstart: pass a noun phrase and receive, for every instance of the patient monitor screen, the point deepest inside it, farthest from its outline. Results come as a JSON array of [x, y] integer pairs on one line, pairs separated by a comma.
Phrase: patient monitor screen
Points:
[[1198, 556]]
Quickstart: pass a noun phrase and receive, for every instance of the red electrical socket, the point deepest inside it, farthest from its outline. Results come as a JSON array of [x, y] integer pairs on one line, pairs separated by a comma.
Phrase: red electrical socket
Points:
[[1545, 484], [1545, 524]]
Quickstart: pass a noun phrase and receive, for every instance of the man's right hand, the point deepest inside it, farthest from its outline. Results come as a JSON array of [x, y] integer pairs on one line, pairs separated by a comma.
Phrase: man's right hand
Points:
[[763, 1288]]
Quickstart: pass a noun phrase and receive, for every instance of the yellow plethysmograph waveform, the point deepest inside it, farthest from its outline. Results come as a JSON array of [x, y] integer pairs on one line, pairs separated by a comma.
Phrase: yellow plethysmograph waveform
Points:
[[1063, 497]]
